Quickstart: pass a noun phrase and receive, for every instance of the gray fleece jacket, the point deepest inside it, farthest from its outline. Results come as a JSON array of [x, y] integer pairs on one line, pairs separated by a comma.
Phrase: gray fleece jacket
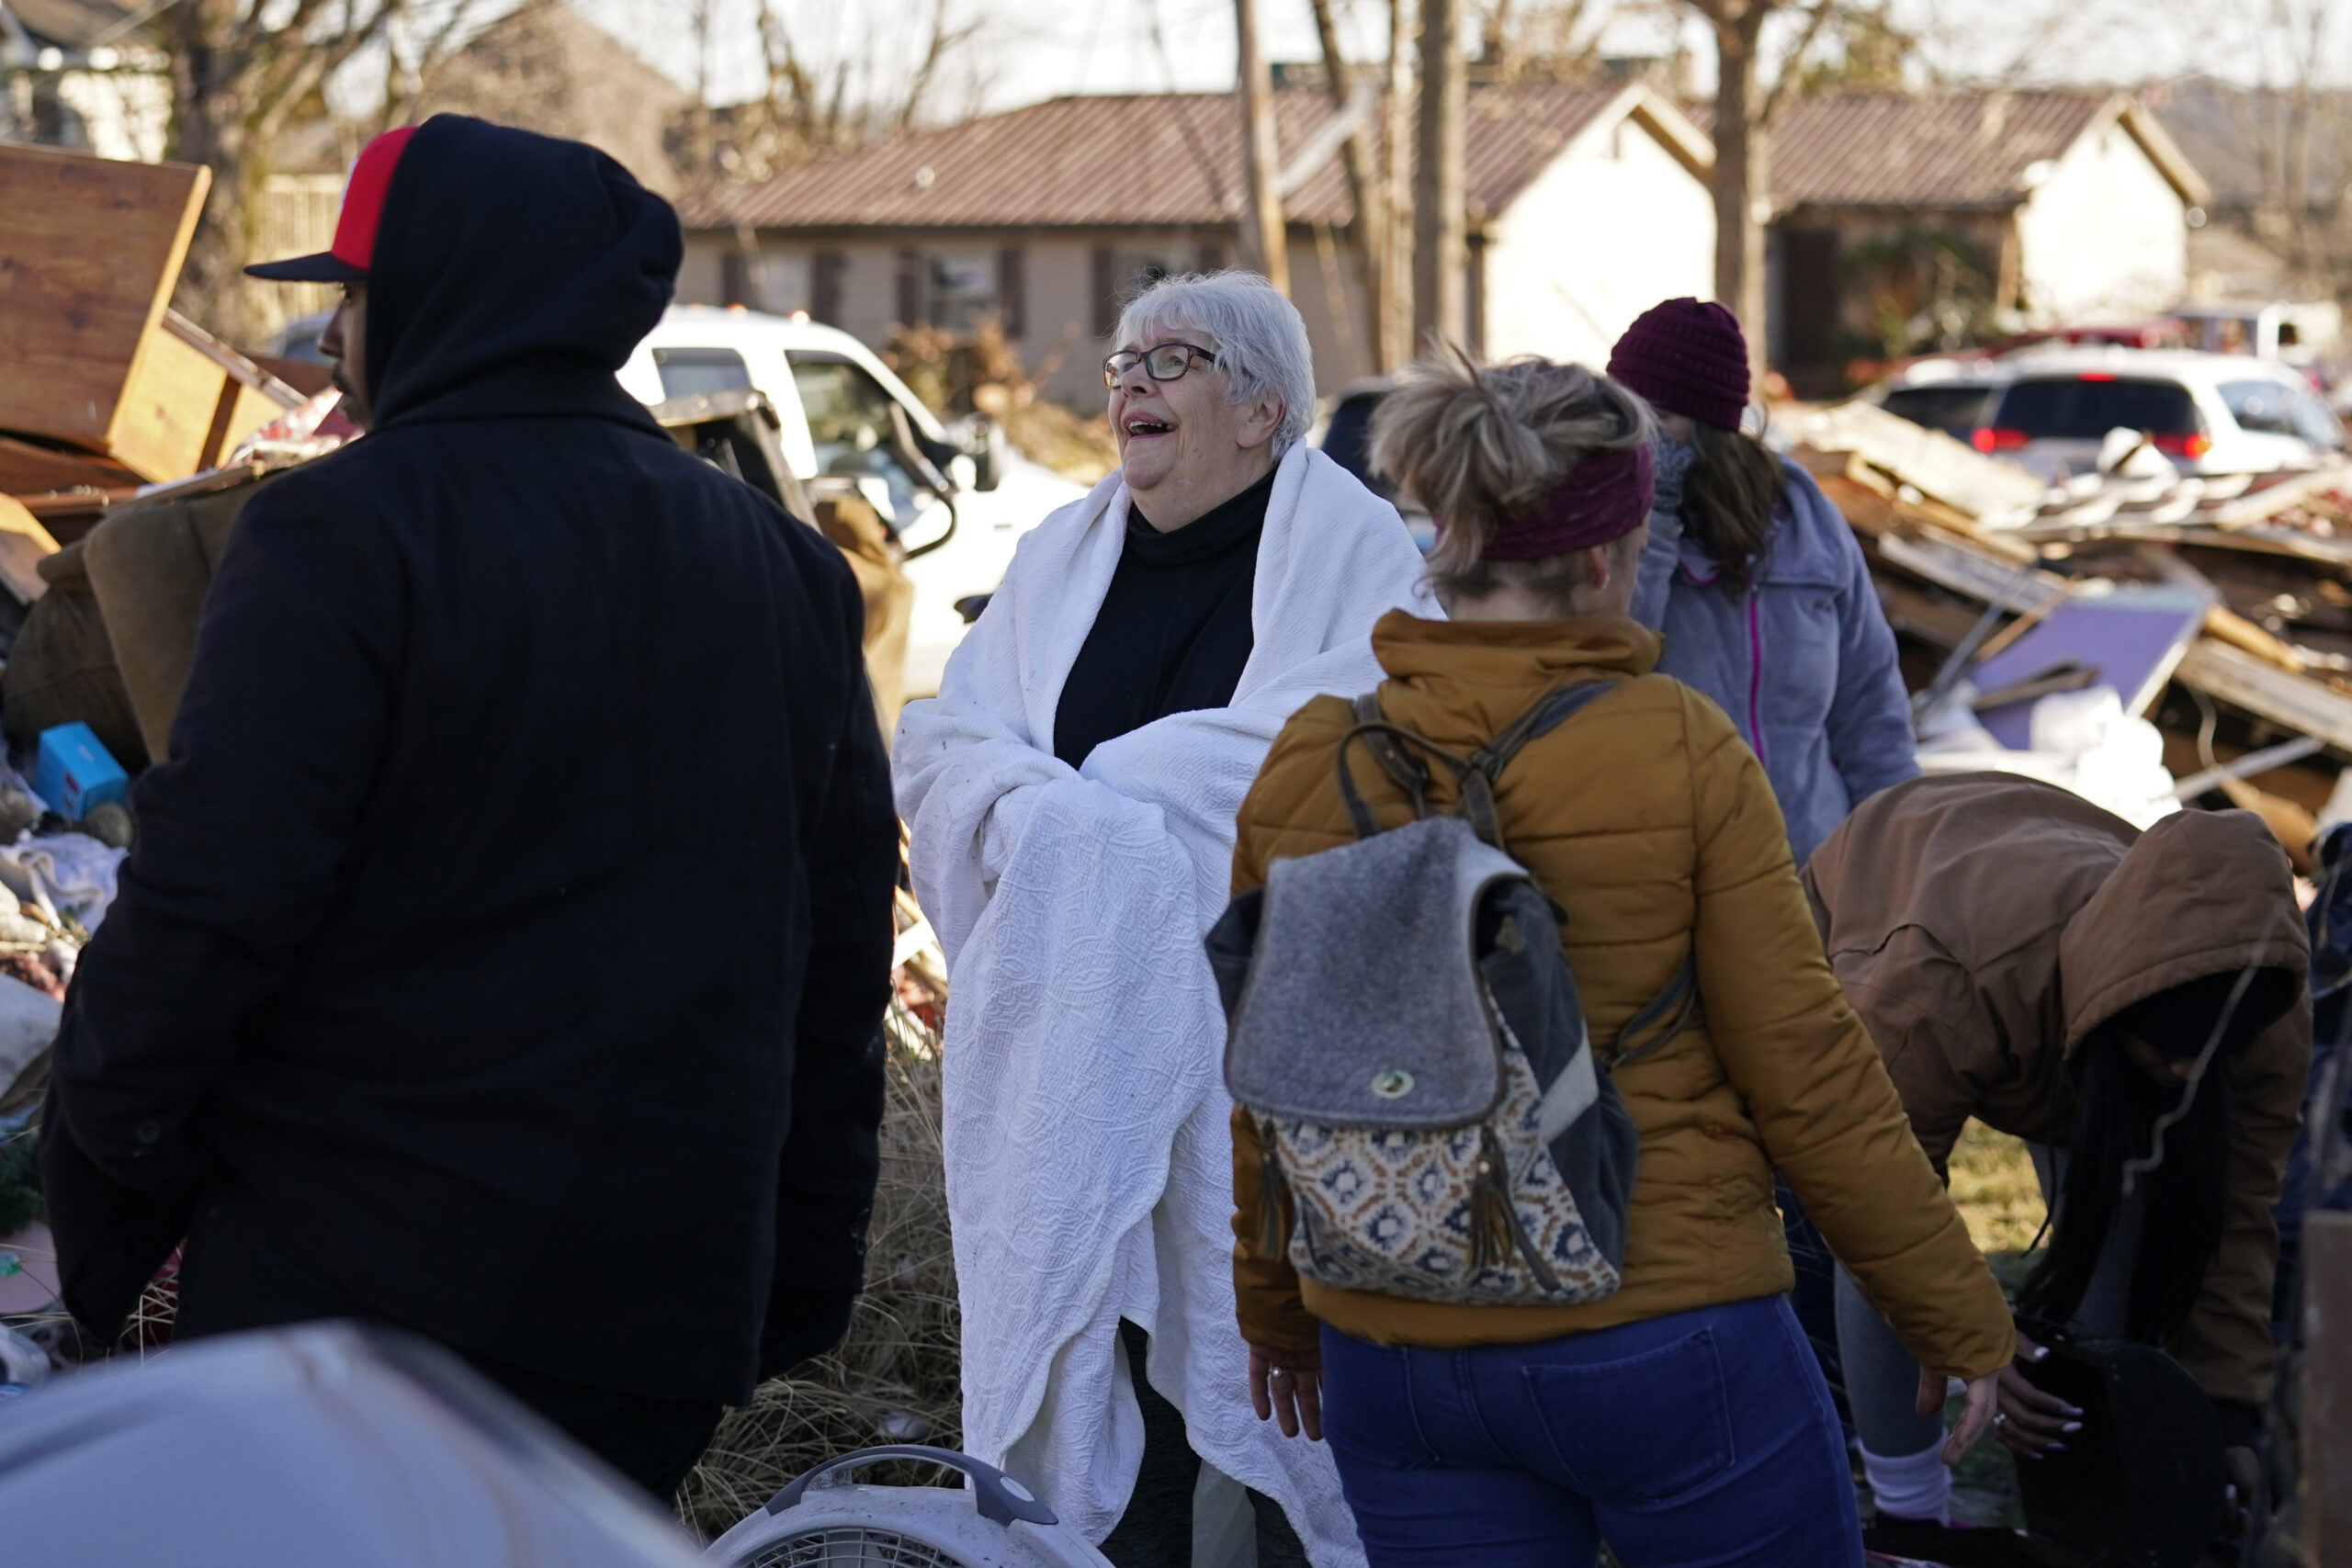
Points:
[[1803, 664]]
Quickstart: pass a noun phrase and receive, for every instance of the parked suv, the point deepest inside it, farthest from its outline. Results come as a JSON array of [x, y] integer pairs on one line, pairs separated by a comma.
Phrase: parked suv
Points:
[[2211, 413], [956, 498]]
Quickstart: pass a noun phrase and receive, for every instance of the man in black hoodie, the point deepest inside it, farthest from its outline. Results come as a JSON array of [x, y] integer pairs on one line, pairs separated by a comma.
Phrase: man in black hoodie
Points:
[[504, 949]]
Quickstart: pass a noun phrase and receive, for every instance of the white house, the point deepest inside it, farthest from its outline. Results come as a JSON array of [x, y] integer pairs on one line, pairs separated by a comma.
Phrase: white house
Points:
[[1588, 204], [2073, 208]]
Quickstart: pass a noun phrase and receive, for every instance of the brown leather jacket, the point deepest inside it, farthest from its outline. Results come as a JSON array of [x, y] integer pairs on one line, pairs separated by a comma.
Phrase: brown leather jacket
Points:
[[1647, 821], [1984, 924]]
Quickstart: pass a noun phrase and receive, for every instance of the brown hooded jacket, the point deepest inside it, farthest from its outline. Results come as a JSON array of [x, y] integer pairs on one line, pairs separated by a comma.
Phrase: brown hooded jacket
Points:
[[1984, 924]]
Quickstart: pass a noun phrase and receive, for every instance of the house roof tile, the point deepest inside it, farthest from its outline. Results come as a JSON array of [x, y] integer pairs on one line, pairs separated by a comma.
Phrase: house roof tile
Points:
[[1949, 149], [1136, 160]]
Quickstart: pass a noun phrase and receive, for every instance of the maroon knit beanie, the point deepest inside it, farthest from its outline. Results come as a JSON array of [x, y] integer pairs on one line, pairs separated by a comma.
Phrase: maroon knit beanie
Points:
[[1686, 358]]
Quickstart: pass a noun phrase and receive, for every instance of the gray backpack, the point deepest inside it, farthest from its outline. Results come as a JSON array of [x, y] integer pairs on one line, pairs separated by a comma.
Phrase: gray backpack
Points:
[[1403, 1026]]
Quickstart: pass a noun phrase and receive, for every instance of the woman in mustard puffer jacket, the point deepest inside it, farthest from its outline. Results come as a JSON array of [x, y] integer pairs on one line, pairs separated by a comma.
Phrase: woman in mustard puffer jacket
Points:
[[1682, 1418]]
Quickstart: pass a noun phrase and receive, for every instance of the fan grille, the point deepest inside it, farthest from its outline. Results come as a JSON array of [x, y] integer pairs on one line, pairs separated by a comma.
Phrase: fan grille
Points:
[[850, 1546]]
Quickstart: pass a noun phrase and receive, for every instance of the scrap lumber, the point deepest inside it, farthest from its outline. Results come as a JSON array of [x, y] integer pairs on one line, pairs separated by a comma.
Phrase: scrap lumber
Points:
[[191, 400], [29, 470], [1987, 490], [23, 542], [2294, 702], [2225, 624], [2260, 505], [90, 249], [2254, 681]]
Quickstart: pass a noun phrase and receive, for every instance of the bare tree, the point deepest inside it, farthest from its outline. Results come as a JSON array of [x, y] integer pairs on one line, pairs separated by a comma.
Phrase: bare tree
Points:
[[241, 73], [1396, 131], [1367, 195], [1560, 41], [827, 96], [1440, 221], [1744, 112], [238, 72]]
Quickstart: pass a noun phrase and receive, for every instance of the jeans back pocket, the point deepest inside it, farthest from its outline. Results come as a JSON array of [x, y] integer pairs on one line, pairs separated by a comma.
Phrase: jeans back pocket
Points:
[[1642, 1430]]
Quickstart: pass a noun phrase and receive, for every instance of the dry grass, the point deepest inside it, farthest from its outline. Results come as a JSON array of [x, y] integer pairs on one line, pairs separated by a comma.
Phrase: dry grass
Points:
[[1993, 1183], [894, 1378]]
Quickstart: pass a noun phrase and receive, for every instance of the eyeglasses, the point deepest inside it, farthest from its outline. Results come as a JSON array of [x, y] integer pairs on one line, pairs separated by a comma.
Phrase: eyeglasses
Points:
[[1164, 363]]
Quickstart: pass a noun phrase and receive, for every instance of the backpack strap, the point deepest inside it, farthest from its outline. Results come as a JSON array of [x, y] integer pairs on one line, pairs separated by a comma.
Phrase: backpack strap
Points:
[[1407, 771], [1475, 775]]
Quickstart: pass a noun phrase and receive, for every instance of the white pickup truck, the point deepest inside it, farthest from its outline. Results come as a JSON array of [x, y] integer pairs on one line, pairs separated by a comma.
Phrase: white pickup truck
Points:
[[836, 401]]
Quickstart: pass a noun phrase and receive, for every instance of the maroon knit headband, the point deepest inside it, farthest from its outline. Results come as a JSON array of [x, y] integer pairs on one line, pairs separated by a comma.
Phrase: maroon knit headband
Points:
[[1606, 496]]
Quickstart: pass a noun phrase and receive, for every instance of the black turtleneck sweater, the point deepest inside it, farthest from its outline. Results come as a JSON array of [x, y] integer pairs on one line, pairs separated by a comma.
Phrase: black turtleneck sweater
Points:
[[1173, 632]]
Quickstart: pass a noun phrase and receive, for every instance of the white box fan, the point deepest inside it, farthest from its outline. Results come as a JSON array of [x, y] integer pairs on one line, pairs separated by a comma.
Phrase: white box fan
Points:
[[825, 1521]]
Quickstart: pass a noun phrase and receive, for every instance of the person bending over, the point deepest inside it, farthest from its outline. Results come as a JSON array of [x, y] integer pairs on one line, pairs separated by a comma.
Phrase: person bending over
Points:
[[2024, 958]]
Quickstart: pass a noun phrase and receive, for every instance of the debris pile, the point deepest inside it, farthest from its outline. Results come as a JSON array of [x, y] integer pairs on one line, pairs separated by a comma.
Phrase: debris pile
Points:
[[2142, 637], [128, 437]]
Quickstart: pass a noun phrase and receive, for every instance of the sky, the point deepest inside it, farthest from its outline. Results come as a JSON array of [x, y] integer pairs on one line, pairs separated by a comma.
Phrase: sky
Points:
[[1025, 50]]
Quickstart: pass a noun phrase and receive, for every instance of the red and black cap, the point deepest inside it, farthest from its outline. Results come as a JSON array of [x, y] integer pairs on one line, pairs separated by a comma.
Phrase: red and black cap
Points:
[[346, 261]]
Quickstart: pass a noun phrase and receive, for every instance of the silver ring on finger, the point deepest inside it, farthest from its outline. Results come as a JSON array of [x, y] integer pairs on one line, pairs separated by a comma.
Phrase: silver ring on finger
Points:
[[2001, 1419]]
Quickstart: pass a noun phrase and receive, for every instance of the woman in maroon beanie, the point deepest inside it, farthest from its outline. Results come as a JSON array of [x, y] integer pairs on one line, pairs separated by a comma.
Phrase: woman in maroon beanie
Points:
[[1756, 582], [1766, 607]]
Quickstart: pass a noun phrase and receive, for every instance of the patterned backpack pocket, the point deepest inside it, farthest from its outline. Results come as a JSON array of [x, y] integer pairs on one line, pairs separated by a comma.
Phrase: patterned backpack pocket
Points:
[[1404, 1029]]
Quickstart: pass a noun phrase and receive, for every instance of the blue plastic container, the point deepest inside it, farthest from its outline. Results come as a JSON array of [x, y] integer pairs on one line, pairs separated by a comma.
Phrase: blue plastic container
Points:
[[74, 773]]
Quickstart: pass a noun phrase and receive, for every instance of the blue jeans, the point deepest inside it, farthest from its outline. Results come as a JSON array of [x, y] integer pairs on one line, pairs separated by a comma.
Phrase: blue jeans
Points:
[[1703, 1437]]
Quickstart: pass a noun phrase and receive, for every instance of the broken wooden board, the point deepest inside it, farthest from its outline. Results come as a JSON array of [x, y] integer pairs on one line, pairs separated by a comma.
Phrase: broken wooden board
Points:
[[23, 542], [2292, 702], [2257, 539], [29, 470], [191, 400], [1970, 567], [1989, 490], [2267, 499], [90, 249]]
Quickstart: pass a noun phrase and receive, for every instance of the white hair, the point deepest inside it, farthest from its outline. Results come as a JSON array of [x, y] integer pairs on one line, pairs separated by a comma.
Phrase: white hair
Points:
[[1257, 335]]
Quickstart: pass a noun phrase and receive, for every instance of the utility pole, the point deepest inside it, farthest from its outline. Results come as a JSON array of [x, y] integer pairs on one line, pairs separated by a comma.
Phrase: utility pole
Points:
[[1440, 251], [1264, 240]]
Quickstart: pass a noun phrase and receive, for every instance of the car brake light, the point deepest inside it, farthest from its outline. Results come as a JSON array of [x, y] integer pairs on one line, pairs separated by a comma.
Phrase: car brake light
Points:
[[2195, 445], [1990, 438], [2096, 375]]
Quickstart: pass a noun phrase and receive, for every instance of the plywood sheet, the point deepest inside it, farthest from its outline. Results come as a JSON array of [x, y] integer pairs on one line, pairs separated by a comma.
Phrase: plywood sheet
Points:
[[160, 425], [90, 249], [2133, 637]]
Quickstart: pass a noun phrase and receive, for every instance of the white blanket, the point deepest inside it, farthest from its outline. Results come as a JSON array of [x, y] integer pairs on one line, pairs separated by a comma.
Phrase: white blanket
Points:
[[1089, 1161]]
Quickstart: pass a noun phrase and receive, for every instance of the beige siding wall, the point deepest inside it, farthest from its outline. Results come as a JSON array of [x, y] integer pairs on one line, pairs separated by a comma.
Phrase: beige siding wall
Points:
[[1059, 313], [1615, 225], [2105, 238]]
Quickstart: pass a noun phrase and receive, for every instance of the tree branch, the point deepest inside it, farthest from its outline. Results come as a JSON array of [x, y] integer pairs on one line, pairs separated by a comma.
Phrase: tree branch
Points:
[[1787, 74]]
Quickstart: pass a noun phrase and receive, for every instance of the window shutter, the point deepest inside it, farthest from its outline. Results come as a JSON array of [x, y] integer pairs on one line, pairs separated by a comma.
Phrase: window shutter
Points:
[[1106, 291], [909, 310], [825, 287], [1011, 300]]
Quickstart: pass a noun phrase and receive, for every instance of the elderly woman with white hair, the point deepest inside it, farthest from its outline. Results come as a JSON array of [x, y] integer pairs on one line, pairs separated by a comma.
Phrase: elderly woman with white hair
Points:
[[1071, 795]]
